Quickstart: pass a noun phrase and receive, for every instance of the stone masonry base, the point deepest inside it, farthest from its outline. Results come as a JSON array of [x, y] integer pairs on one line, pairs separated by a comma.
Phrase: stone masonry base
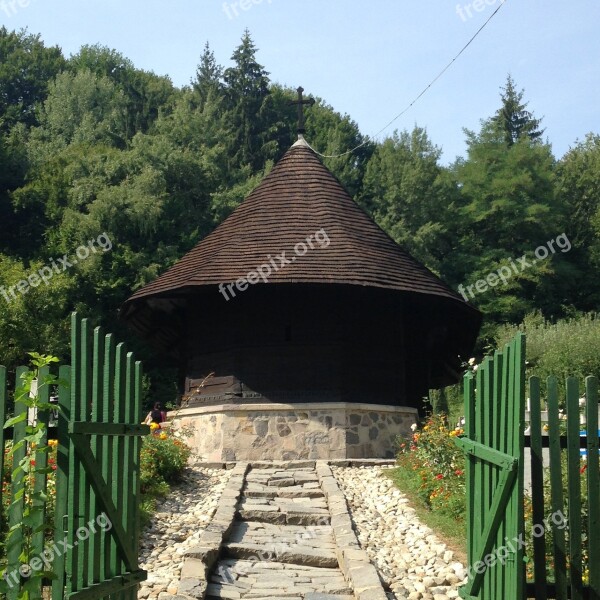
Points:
[[325, 431]]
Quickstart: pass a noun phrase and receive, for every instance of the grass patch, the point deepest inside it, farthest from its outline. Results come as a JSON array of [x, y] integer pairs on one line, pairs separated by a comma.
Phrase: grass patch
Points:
[[451, 531]]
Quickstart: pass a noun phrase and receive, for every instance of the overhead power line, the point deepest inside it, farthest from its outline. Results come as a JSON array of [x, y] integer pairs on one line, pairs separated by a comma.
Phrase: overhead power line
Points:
[[423, 92]]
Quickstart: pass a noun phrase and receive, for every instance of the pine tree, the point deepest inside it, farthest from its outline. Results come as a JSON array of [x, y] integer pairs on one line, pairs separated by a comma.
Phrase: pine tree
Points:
[[209, 75], [247, 92], [513, 119]]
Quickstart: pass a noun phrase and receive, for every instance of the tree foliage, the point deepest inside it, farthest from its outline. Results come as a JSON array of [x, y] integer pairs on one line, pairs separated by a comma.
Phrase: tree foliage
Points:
[[92, 145]]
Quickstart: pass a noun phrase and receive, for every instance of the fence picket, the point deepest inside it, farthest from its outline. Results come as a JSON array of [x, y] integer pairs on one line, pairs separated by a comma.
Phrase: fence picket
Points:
[[75, 470], [84, 405], [96, 543], [62, 479], [559, 546], [107, 449], [3, 400], [40, 478], [593, 486], [118, 449], [128, 506], [574, 487], [471, 462], [500, 404], [15, 513], [537, 489]]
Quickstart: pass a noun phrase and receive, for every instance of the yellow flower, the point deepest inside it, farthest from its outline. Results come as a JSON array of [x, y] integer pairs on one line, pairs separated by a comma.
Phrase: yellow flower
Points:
[[546, 428], [52, 443], [162, 436], [154, 426]]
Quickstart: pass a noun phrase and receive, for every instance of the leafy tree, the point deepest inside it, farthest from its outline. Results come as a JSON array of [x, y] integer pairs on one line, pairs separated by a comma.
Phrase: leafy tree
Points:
[[146, 94], [83, 108], [510, 207], [578, 186], [333, 134], [36, 319], [26, 69], [409, 194]]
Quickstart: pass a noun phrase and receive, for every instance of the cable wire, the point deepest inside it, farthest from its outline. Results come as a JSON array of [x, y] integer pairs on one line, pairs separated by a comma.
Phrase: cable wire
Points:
[[423, 92]]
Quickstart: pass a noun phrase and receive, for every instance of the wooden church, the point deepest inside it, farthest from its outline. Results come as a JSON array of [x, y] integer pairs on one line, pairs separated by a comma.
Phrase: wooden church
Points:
[[320, 334]]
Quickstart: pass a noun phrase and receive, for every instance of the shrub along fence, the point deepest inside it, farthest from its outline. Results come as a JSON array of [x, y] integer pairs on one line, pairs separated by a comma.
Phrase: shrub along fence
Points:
[[88, 480]]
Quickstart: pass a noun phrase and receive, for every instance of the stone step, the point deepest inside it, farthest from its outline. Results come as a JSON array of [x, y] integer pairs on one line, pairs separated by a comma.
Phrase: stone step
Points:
[[275, 552], [272, 514]]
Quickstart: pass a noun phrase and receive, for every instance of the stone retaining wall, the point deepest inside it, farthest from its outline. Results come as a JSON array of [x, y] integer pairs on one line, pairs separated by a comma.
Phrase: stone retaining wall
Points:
[[333, 430]]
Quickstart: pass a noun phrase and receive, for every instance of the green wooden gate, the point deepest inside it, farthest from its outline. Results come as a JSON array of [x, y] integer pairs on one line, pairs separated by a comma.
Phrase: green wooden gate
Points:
[[493, 443], [96, 523], [554, 550]]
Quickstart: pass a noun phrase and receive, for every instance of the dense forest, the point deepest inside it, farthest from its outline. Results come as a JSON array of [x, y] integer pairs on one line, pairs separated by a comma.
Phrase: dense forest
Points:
[[93, 149]]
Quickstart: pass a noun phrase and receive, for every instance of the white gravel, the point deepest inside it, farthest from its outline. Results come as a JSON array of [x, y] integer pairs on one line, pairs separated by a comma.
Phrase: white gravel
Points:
[[413, 563], [177, 525]]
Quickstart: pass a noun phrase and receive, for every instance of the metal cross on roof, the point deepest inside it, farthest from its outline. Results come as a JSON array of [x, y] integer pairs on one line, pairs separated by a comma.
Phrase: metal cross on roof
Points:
[[301, 102]]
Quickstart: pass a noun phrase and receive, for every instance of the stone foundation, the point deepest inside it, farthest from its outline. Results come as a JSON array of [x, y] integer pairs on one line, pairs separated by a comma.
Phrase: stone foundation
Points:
[[332, 430]]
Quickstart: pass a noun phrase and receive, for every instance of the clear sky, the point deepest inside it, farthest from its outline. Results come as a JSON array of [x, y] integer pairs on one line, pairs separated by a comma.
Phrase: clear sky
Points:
[[368, 59]]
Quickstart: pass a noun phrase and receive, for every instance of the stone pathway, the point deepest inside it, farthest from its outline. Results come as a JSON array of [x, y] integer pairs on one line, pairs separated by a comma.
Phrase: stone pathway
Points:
[[300, 530], [282, 543]]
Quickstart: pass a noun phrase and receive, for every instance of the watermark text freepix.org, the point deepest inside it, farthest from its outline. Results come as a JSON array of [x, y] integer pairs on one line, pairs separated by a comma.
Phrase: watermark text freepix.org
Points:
[[502, 553], [505, 272], [231, 8], [60, 265], [11, 7], [464, 10], [43, 562], [320, 239]]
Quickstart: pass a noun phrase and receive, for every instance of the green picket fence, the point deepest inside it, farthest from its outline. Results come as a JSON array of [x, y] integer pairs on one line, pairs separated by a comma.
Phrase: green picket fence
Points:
[[94, 550], [573, 551], [559, 542]]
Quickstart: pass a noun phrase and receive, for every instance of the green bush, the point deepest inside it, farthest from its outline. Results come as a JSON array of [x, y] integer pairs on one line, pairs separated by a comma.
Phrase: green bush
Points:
[[163, 459], [567, 347]]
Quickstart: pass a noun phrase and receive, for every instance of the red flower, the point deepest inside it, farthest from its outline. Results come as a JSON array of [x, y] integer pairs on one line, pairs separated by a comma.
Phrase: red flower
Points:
[[439, 476], [583, 469], [459, 472]]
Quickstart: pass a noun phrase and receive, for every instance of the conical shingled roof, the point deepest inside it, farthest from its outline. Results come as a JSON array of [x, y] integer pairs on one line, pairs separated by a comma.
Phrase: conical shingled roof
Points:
[[297, 199]]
